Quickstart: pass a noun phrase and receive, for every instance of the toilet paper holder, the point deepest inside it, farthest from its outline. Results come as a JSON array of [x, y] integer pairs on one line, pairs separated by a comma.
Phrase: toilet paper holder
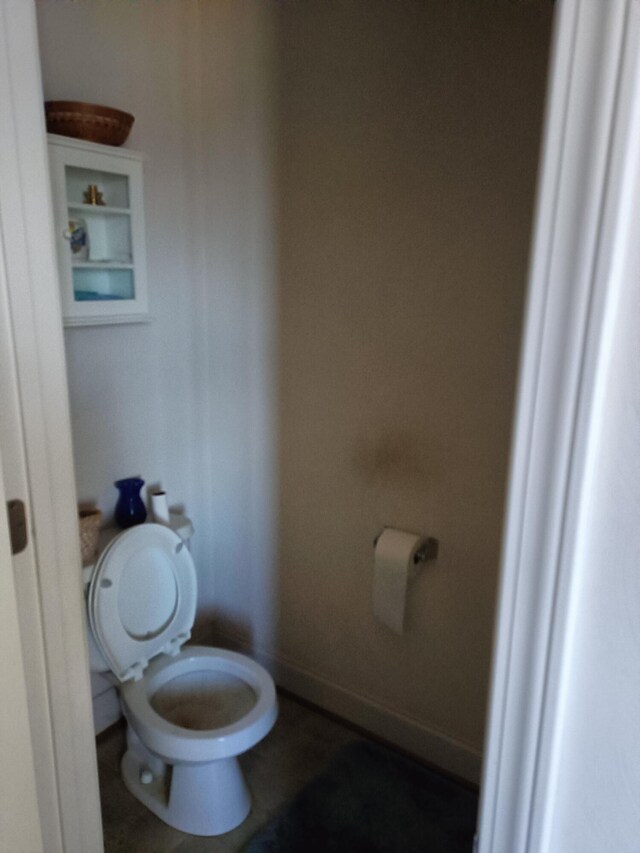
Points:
[[428, 550]]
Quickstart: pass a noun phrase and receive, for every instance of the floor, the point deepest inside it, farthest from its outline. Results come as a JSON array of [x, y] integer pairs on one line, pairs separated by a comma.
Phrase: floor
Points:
[[300, 745]]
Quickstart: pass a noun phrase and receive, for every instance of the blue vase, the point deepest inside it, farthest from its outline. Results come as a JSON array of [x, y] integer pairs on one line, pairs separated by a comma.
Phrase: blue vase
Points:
[[130, 508]]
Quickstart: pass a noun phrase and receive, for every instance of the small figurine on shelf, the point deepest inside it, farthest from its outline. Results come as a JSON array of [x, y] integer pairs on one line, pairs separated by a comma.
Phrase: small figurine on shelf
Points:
[[92, 195], [78, 237]]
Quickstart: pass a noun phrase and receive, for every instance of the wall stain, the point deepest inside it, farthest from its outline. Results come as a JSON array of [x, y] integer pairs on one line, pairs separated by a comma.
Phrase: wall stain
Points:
[[392, 457]]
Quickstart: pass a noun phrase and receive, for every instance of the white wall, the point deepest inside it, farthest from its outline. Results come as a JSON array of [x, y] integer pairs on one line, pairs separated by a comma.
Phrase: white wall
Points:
[[134, 395], [175, 400], [237, 115]]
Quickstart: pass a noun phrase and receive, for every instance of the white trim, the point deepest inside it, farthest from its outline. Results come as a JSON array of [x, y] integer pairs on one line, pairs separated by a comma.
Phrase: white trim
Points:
[[94, 147], [27, 227], [426, 742], [566, 322], [613, 272]]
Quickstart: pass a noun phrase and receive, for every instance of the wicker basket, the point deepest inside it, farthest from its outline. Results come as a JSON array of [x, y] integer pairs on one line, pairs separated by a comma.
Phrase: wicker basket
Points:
[[90, 521], [88, 121]]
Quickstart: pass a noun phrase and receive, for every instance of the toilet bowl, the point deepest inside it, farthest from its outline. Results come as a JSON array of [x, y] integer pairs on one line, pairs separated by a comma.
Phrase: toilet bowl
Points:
[[190, 710]]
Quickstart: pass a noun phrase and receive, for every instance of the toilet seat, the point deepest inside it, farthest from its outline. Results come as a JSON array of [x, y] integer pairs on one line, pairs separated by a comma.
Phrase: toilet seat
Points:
[[142, 598], [175, 743]]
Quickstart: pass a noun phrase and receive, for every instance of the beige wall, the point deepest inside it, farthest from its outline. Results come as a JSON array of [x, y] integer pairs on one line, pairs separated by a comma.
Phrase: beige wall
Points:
[[408, 144], [338, 200]]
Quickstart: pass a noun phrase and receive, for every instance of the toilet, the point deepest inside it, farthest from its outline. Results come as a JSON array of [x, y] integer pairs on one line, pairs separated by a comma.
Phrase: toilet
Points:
[[190, 710]]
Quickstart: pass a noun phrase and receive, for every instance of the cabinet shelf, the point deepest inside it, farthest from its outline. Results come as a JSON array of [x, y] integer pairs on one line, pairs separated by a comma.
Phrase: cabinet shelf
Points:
[[102, 265], [100, 209]]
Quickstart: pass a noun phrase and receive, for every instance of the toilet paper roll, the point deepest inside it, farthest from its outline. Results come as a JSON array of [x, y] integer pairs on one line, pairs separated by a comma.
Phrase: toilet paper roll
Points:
[[394, 566], [160, 508]]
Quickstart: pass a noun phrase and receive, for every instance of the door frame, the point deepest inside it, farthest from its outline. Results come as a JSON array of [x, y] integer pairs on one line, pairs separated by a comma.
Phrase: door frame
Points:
[[30, 288], [581, 231]]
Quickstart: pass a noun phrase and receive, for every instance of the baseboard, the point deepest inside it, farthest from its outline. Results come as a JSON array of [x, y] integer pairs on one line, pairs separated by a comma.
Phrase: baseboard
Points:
[[426, 742]]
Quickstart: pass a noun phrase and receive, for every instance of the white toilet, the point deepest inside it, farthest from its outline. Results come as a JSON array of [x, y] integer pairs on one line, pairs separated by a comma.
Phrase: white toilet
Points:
[[190, 710]]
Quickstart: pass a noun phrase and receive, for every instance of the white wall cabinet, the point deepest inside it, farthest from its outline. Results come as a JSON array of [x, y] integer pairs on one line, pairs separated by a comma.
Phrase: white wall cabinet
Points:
[[100, 232]]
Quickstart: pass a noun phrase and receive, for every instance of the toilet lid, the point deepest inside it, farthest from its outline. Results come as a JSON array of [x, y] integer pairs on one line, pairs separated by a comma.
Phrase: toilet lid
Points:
[[142, 598]]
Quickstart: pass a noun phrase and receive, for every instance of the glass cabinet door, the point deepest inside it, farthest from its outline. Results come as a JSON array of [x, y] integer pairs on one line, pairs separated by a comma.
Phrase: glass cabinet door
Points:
[[98, 197]]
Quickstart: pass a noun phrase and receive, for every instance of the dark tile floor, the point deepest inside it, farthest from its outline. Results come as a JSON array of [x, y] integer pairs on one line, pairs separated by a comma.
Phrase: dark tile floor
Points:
[[300, 745]]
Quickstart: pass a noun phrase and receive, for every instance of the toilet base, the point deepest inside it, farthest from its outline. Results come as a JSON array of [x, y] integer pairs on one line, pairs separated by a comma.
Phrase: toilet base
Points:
[[200, 799]]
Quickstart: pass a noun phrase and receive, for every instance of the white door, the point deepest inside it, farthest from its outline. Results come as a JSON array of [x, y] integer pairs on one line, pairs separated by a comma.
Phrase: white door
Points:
[[20, 830], [43, 582], [22, 568]]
